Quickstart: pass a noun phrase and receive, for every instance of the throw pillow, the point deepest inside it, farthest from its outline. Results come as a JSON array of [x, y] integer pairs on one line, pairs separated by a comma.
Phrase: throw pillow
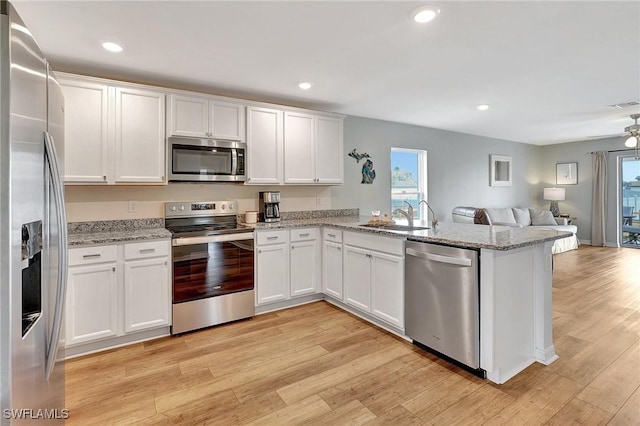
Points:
[[523, 217], [501, 215], [542, 217]]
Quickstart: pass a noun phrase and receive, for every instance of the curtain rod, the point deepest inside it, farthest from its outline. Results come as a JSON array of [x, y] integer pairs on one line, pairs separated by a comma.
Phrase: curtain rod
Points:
[[616, 150]]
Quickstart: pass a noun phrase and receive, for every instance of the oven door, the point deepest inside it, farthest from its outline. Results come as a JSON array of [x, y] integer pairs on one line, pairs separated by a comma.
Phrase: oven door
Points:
[[212, 266], [206, 160]]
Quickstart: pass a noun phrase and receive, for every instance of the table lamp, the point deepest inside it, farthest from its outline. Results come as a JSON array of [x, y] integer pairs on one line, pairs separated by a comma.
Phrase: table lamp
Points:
[[554, 195]]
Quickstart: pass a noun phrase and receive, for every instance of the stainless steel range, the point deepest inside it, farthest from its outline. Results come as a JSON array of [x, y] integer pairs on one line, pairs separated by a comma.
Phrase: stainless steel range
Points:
[[212, 264]]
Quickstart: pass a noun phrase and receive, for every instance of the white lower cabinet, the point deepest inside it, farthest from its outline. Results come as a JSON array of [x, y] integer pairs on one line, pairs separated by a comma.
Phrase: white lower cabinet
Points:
[[357, 277], [91, 303], [147, 299], [272, 267], [115, 290], [332, 263], [374, 276], [287, 264], [304, 262]]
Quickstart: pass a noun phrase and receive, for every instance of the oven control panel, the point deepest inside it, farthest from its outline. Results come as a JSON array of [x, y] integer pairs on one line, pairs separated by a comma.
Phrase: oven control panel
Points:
[[200, 208]]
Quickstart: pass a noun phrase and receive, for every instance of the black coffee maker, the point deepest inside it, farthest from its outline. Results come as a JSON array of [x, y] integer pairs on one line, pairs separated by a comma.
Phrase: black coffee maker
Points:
[[270, 206]]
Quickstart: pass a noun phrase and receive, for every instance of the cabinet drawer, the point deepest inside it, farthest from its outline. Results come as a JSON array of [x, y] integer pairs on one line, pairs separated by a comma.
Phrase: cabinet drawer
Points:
[[332, 235], [305, 234], [146, 249], [273, 237], [91, 255], [375, 242]]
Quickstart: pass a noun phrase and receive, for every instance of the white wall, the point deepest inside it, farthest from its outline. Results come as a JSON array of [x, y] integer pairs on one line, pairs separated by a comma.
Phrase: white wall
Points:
[[458, 168]]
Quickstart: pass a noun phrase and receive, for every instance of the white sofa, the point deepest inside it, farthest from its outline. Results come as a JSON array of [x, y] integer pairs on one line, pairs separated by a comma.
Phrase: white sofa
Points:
[[519, 218]]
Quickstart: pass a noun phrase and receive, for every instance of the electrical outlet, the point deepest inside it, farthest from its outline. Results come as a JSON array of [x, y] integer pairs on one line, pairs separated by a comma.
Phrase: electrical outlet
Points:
[[133, 206]]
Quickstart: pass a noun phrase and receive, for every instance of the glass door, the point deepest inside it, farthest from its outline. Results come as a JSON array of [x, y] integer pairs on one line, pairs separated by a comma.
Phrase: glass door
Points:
[[630, 202]]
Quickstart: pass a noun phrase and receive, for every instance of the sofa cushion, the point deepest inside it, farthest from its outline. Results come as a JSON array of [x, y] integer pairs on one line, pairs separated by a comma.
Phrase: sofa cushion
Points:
[[542, 217], [523, 217], [504, 215]]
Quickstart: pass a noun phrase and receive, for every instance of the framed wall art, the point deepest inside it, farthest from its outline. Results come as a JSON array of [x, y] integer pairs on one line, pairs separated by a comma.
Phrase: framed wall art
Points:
[[500, 170], [567, 173]]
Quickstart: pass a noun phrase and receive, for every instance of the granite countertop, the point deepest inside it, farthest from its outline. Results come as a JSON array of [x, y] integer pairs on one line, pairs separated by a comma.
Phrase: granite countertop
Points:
[[454, 234], [115, 231]]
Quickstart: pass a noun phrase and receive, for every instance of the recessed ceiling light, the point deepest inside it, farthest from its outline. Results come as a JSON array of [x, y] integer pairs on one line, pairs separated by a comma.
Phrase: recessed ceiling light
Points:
[[305, 85], [482, 107], [425, 14], [112, 47]]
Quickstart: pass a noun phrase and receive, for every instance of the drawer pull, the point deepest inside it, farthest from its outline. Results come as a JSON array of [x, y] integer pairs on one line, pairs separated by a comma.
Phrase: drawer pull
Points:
[[331, 235], [149, 250], [113, 268], [91, 256], [272, 238], [304, 235]]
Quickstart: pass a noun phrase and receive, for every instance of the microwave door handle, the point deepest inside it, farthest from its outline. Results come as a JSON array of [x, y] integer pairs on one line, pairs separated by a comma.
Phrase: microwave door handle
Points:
[[234, 162], [276, 213]]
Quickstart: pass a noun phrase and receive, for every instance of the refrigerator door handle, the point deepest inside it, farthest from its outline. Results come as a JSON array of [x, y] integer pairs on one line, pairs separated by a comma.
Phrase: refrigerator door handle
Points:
[[58, 195]]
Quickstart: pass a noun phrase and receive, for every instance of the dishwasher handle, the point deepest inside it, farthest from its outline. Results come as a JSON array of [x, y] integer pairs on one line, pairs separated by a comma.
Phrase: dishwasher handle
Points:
[[460, 261]]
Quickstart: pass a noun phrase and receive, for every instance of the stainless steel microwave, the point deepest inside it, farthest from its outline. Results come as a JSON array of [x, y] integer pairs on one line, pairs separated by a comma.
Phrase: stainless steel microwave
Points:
[[206, 160]]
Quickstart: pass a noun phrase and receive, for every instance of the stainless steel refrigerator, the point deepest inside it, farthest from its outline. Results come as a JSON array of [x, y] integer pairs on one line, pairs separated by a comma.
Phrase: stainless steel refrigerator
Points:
[[33, 234]]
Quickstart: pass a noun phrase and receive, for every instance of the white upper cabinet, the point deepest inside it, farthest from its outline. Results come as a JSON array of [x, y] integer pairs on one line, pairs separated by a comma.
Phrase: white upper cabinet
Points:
[[139, 137], [312, 149], [114, 132], [329, 154], [86, 136], [264, 145], [204, 117]]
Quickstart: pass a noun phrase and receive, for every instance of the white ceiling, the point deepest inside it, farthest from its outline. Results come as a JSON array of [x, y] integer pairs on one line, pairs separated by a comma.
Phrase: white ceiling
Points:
[[548, 69]]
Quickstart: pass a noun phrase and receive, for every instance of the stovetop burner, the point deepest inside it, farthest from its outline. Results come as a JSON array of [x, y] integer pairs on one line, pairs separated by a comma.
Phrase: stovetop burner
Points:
[[196, 219]]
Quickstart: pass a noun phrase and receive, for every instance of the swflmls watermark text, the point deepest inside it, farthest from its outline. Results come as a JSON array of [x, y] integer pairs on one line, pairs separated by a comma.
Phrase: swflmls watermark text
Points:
[[37, 414]]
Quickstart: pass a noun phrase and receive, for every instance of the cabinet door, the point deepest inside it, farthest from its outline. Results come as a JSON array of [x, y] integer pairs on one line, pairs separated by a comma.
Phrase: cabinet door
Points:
[[264, 142], [147, 294], [299, 150], [85, 131], [226, 121], [272, 272], [329, 155], [91, 310], [139, 136], [387, 287], [304, 268], [332, 269], [357, 277], [189, 116]]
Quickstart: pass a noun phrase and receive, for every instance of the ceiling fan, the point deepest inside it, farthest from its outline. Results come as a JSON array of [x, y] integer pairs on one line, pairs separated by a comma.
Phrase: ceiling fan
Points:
[[634, 133]]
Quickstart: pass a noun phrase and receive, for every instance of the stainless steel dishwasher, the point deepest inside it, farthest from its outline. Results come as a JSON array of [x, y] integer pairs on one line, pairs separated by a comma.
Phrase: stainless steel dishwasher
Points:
[[442, 309]]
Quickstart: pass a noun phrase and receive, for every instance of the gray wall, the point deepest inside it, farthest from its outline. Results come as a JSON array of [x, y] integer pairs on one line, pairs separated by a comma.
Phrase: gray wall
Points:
[[578, 197], [458, 168]]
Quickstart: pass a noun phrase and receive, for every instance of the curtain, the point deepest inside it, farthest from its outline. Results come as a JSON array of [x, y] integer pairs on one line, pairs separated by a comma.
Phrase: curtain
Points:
[[599, 199]]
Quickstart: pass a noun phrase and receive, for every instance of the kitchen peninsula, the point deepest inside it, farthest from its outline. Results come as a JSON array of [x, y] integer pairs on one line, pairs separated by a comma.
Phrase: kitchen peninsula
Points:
[[515, 284]]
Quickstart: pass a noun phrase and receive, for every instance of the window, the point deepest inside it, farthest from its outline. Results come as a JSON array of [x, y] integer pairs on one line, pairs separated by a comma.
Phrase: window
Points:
[[409, 180]]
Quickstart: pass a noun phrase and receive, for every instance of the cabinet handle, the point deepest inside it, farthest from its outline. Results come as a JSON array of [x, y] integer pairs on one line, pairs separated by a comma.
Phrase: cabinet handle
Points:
[[368, 255], [165, 263], [113, 268], [104, 177], [259, 251], [150, 250], [91, 256], [339, 248], [331, 235], [304, 235], [272, 238], [292, 247]]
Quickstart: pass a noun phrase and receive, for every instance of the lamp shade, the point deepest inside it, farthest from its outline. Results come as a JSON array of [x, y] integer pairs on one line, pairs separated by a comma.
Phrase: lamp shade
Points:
[[554, 194]]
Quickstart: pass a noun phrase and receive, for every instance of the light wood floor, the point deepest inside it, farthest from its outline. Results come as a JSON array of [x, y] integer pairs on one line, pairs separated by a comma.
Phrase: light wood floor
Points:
[[316, 364]]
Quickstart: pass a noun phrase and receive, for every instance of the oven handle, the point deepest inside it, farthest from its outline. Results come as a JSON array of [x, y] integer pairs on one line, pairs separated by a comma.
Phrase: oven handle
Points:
[[188, 241]]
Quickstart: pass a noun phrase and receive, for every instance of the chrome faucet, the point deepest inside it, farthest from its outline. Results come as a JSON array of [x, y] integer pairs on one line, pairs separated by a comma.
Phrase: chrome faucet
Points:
[[434, 221], [408, 214]]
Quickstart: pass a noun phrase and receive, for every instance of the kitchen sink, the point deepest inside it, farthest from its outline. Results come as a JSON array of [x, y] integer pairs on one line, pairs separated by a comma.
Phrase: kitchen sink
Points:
[[395, 227]]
